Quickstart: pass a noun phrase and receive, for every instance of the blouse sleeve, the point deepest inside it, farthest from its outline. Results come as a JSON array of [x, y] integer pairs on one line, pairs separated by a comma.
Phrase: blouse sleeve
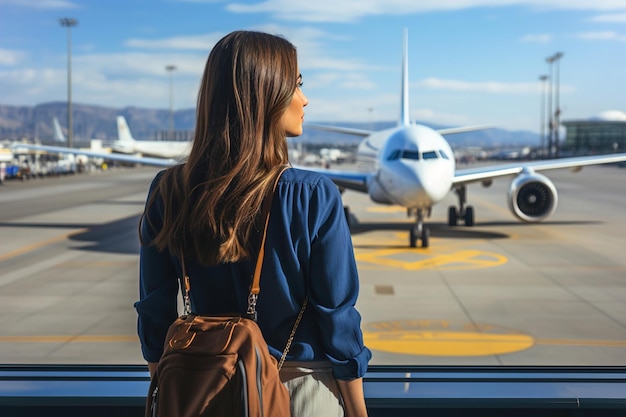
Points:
[[335, 284], [158, 285]]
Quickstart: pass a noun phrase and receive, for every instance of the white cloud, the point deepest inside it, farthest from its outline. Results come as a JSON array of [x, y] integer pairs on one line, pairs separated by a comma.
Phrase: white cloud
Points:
[[29, 86], [355, 109], [136, 79], [537, 38], [602, 36], [333, 79], [137, 63], [40, 4], [32, 76], [610, 18], [202, 42], [357, 81], [202, 1], [481, 87], [9, 57], [353, 10], [445, 119]]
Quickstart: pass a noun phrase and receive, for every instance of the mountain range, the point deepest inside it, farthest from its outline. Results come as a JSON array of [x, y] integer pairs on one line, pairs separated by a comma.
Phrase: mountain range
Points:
[[98, 122]]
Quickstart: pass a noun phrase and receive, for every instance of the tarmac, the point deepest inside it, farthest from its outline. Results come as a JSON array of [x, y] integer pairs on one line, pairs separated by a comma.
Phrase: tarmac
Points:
[[501, 292]]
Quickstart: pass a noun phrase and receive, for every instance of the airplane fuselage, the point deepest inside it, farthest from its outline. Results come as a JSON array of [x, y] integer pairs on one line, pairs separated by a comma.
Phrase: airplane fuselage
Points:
[[412, 166], [158, 149]]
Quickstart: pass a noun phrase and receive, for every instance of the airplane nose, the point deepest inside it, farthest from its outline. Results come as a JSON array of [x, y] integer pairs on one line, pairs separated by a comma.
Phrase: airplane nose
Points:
[[436, 185], [411, 186]]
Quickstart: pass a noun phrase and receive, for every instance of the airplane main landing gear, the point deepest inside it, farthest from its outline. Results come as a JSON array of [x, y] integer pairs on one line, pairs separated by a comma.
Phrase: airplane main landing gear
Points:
[[464, 212], [467, 214]]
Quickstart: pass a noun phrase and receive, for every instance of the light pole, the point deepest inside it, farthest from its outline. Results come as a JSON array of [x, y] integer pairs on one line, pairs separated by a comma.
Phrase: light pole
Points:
[[557, 110], [554, 115], [170, 69], [69, 22], [542, 113], [550, 61]]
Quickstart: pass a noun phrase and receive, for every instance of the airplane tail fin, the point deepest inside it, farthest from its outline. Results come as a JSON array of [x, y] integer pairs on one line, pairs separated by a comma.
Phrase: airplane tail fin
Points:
[[123, 132], [58, 132], [405, 120]]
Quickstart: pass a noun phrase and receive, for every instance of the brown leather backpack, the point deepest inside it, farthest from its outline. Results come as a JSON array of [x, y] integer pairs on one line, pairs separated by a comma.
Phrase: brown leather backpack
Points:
[[220, 365], [216, 366]]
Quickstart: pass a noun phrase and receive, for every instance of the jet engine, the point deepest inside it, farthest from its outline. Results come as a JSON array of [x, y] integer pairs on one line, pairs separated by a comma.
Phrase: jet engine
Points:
[[532, 197]]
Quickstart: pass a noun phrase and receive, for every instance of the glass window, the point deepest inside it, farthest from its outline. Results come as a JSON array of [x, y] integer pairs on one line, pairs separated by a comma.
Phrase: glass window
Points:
[[395, 155], [500, 292], [415, 155]]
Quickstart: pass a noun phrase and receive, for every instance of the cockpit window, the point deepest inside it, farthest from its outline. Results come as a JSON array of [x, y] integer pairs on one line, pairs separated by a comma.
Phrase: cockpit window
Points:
[[430, 155], [404, 154], [395, 155], [443, 154], [410, 155]]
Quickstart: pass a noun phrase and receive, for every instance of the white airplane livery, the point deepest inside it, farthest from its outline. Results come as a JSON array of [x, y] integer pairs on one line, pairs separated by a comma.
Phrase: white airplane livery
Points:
[[58, 132], [413, 166], [410, 165], [154, 148]]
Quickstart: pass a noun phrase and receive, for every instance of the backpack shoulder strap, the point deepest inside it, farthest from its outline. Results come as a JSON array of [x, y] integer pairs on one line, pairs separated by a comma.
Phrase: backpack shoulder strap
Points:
[[254, 287], [267, 208]]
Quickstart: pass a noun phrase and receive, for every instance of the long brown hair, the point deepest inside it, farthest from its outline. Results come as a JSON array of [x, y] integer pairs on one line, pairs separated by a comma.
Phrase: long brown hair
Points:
[[211, 204]]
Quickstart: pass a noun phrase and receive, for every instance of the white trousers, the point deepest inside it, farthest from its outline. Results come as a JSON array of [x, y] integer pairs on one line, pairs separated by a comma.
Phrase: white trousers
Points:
[[313, 389]]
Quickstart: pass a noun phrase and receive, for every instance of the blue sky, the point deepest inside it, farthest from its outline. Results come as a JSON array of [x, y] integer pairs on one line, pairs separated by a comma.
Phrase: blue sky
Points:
[[470, 62]]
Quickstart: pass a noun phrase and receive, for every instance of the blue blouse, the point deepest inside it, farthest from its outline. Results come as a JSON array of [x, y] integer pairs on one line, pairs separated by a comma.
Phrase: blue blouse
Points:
[[308, 253]]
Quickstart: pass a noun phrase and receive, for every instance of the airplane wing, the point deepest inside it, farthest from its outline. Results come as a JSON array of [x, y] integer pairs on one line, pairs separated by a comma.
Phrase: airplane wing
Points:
[[159, 162], [339, 129], [365, 133], [466, 176], [356, 181], [462, 129]]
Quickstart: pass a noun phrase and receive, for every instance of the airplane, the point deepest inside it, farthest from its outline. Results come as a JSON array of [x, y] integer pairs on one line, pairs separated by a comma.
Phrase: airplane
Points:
[[58, 132], [413, 166], [155, 148], [96, 154]]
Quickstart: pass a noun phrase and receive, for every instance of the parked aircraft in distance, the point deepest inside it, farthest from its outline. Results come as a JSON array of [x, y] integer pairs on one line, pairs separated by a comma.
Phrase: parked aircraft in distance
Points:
[[154, 148], [413, 166], [58, 132]]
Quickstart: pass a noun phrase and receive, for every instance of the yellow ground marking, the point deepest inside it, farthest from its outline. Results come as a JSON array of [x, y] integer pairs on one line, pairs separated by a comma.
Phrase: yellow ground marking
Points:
[[98, 263], [428, 342], [32, 247], [394, 252], [462, 259], [386, 209], [443, 338], [367, 242], [69, 339], [446, 343]]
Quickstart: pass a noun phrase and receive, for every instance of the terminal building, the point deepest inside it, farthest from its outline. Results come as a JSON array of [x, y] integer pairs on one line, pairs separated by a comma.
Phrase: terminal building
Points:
[[603, 134]]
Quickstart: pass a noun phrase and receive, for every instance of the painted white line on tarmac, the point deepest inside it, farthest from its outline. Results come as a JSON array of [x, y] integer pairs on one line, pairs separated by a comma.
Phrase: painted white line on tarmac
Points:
[[37, 268]]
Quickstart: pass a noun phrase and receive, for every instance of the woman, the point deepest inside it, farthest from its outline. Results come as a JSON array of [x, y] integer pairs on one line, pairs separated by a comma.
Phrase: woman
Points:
[[208, 209]]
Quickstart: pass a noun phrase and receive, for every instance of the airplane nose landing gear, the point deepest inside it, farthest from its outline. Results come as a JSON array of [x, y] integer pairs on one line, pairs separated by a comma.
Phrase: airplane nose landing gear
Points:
[[418, 231]]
